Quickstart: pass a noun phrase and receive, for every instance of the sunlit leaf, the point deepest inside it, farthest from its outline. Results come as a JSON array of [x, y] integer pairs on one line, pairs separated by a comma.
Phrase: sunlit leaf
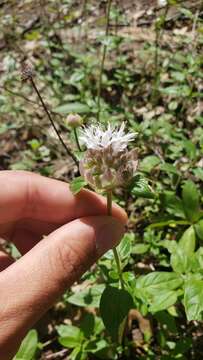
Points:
[[193, 299], [77, 184], [69, 336], [28, 347]]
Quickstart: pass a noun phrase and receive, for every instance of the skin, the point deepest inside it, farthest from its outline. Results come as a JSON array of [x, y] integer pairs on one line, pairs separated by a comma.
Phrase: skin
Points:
[[59, 235]]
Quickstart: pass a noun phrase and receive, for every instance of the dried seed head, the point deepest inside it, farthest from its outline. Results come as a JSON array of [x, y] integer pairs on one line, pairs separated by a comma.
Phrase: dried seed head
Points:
[[74, 120], [107, 163], [27, 71]]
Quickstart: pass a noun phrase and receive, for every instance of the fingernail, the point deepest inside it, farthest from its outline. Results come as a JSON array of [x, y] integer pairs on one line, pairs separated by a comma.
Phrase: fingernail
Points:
[[109, 235]]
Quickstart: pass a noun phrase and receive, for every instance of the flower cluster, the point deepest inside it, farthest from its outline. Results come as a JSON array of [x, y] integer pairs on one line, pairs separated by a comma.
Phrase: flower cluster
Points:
[[107, 163]]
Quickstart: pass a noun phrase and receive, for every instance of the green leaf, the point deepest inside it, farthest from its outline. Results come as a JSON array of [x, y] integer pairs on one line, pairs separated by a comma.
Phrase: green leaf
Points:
[[187, 13], [182, 90], [157, 290], [172, 203], [198, 173], [77, 184], [125, 246], [163, 300], [180, 261], [114, 307], [141, 188], [190, 196], [124, 249], [149, 162], [199, 229], [169, 168], [69, 336], [89, 297], [91, 325], [193, 299], [75, 107], [77, 354], [156, 281], [190, 149], [183, 259], [199, 257], [28, 347], [179, 76], [140, 248], [188, 241], [87, 324], [96, 346], [98, 325], [170, 245]]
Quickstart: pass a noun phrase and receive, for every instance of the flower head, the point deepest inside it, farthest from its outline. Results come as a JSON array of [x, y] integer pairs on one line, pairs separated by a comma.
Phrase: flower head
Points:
[[107, 163], [74, 120], [95, 138]]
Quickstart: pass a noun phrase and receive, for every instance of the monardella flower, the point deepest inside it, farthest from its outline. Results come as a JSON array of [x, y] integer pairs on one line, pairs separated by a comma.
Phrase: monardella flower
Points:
[[107, 163]]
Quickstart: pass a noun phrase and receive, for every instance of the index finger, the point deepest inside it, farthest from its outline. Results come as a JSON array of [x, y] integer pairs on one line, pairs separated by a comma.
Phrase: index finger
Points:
[[24, 195]]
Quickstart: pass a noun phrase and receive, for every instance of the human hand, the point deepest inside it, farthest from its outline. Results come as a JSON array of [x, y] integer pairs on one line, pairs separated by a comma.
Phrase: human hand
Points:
[[75, 232]]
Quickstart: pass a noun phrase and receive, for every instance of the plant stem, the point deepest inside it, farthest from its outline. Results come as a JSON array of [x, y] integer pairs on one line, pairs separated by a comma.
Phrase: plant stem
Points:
[[115, 252], [76, 139], [69, 152], [103, 60]]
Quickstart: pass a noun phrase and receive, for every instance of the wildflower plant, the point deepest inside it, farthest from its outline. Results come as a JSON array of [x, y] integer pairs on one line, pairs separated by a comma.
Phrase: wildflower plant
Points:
[[108, 165]]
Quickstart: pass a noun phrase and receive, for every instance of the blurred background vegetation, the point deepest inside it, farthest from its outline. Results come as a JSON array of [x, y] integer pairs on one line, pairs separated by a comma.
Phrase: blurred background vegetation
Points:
[[134, 61]]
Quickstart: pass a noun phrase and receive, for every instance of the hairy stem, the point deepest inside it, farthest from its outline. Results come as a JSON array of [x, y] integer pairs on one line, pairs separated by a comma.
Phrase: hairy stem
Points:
[[103, 60], [115, 252], [69, 152]]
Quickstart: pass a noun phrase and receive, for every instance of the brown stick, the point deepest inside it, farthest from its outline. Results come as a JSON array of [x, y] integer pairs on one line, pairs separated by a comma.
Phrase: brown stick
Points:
[[69, 152]]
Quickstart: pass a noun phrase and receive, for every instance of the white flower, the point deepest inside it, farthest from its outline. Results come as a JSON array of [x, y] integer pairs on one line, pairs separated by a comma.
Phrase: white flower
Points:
[[107, 164], [95, 138]]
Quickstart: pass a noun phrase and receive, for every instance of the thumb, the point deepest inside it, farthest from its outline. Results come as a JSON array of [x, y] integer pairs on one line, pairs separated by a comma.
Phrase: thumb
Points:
[[30, 286]]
